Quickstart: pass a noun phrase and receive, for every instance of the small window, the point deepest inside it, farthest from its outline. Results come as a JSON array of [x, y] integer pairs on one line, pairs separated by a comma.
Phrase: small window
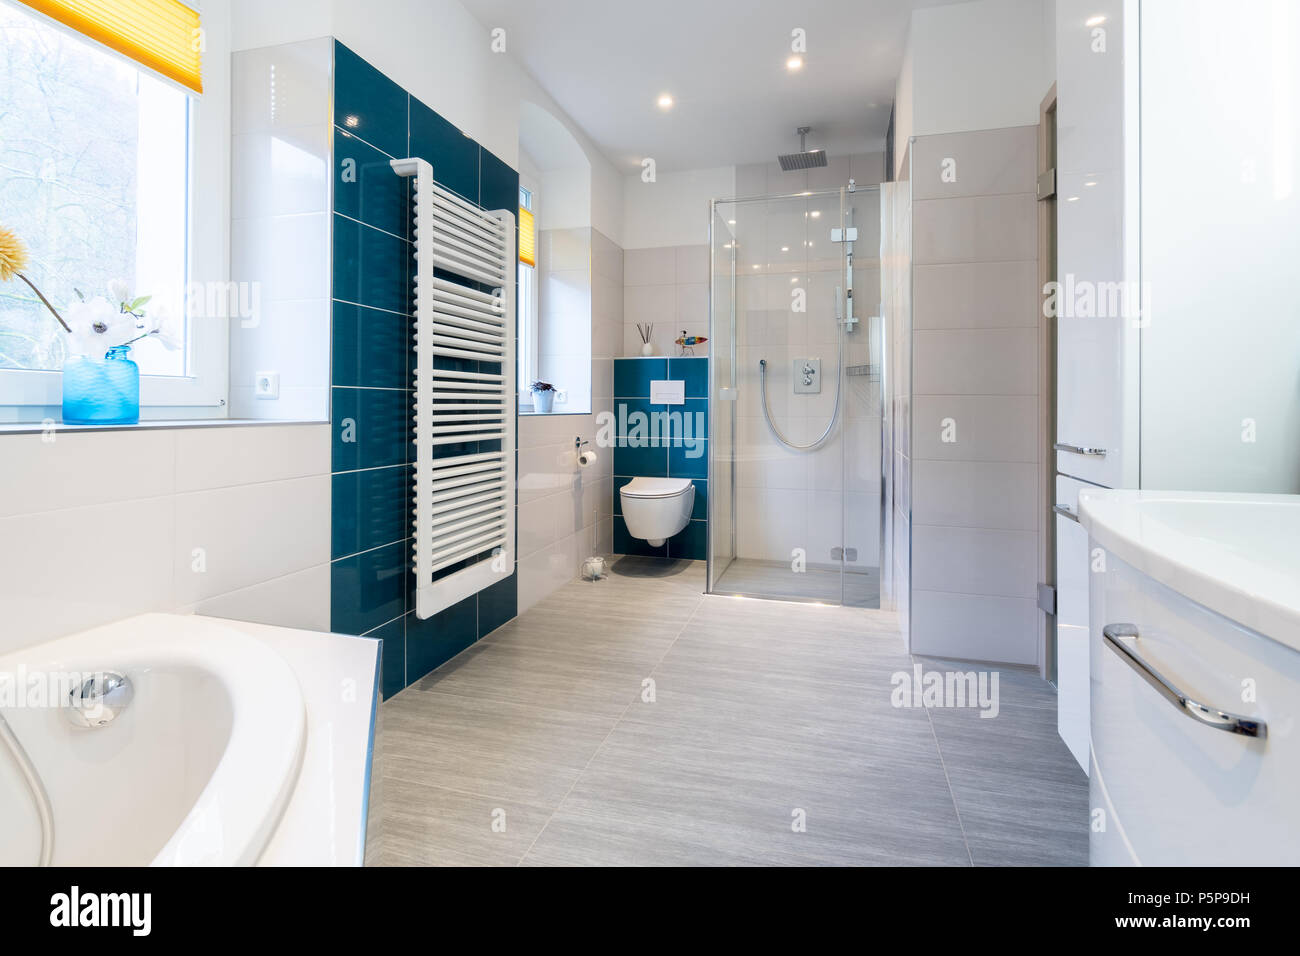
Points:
[[95, 173], [527, 296]]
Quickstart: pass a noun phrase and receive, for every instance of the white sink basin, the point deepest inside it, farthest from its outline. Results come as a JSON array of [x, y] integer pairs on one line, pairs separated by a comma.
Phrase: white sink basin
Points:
[[1237, 554]]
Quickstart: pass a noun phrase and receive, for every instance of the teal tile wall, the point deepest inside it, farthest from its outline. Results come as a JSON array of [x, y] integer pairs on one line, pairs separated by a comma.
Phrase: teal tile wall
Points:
[[372, 587], [679, 451]]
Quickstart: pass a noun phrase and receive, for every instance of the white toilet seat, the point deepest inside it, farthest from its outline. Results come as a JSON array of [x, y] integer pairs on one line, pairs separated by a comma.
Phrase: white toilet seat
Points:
[[656, 487]]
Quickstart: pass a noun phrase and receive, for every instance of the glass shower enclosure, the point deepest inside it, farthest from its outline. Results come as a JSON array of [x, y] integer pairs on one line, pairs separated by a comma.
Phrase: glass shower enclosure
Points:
[[795, 389]]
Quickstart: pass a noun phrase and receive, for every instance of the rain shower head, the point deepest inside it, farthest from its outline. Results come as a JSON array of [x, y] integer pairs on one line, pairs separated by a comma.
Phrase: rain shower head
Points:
[[805, 158]]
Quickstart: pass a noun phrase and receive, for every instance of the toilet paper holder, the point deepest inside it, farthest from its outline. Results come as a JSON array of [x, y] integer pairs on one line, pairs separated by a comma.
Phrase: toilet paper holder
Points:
[[585, 458]]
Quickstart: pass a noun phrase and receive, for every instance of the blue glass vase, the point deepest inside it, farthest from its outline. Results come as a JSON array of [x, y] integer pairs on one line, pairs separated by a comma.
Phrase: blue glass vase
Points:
[[101, 391]]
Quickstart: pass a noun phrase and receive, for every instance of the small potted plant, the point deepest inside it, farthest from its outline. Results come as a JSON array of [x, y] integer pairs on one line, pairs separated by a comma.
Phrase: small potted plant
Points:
[[101, 385], [543, 397]]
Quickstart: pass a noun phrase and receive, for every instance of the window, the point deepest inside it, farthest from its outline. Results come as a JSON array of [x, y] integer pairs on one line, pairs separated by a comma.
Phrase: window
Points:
[[527, 297], [96, 180]]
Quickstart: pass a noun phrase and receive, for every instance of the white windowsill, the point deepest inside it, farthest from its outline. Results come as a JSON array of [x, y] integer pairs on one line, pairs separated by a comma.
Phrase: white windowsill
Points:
[[36, 428]]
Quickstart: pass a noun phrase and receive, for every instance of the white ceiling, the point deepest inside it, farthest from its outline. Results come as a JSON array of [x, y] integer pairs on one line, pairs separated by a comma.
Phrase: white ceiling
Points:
[[606, 62]]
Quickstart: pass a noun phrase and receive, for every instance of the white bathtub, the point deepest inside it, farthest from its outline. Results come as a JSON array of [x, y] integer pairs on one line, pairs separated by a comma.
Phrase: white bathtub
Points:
[[197, 770]]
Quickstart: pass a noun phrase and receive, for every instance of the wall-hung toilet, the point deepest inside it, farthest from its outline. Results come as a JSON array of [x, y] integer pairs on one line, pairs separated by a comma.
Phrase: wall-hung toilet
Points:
[[655, 509]]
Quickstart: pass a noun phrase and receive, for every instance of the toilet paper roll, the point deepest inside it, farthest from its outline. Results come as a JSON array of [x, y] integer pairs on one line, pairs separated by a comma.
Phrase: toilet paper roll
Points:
[[587, 459]]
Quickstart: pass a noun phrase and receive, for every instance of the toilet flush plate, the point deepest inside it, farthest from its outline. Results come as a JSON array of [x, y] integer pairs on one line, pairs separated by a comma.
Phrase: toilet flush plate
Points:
[[806, 375]]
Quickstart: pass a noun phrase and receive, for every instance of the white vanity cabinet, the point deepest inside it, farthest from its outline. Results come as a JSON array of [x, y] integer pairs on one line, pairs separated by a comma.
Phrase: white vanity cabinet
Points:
[[1071, 620], [1181, 784]]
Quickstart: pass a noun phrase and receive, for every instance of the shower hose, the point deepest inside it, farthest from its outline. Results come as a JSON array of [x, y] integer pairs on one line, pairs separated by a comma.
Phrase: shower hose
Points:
[[34, 785], [835, 412]]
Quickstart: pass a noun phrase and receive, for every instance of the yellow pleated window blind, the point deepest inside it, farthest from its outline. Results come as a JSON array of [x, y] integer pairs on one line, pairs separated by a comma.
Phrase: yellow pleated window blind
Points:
[[162, 35], [527, 238]]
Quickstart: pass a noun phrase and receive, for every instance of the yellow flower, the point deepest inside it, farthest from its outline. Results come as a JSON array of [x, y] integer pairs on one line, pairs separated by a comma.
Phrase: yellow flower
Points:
[[13, 257]]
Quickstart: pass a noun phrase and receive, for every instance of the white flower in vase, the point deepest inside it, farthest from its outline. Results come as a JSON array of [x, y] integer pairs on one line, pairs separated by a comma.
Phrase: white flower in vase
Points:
[[96, 326]]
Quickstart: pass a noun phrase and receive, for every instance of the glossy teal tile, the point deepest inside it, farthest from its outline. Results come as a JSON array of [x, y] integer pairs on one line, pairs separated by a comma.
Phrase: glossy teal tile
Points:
[[624, 543], [367, 189], [393, 666], [688, 459], [369, 509], [367, 103], [691, 542], [438, 639], [649, 459], [497, 604], [498, 183], [371, 267], [632, 376], [453, 155], [689, 420], [368, 589], [370, 347], [370, 427], [694, 371]]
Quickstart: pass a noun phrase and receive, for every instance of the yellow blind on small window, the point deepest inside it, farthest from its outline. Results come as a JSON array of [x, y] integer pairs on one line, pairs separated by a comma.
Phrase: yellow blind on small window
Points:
[[163, 35], [527, 238]]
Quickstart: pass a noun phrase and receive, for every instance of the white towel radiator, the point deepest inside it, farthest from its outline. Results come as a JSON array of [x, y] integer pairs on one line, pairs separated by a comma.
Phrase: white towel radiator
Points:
[[465, 392]]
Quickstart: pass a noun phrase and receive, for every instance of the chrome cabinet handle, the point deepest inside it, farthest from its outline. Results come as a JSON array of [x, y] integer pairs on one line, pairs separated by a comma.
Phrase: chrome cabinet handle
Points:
[[1080, 449], [1210, 716], [1065, 512]]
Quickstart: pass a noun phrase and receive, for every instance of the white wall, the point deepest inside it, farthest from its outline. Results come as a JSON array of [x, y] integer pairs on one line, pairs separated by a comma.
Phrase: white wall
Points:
[[673, 210], [969, 66]]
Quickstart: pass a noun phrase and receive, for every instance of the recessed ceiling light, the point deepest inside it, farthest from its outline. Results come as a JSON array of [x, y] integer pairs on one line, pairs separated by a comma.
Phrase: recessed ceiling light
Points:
[[1072, 199], [755, 265], [731, 222], [794, 63], [1094, 21], [815, 213], [1091, 182], [351, 120], [785, 248], [665, 101]]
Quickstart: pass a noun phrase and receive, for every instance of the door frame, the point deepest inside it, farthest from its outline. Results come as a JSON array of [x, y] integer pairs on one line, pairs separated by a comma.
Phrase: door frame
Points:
[[1046, 388]]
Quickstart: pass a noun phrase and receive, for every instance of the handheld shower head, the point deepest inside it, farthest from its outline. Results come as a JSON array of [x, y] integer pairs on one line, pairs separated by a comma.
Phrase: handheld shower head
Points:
[[805, 158]]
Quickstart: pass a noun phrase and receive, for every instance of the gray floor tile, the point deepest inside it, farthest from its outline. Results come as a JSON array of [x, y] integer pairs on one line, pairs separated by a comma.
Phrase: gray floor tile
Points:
[[441, 827], [760, 708]]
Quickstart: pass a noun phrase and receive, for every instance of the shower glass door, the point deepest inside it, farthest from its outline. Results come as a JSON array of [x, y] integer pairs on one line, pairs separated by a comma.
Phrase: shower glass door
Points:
[[794, 489]]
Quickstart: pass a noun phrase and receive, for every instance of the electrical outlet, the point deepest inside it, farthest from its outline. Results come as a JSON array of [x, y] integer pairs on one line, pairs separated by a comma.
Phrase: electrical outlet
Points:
[[266, 385], [561, 396]]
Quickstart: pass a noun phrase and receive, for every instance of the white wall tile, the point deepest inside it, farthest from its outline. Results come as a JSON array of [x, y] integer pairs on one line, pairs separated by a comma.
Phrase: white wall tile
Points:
[[983, 162], [249, 534], [975, 561], [68, 570], [975, 229], [975, 362], [220, 457], [657, 266], [975, 494], [974, 627], [84, 468], [299, 600], [966, 295], [986, 427]]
